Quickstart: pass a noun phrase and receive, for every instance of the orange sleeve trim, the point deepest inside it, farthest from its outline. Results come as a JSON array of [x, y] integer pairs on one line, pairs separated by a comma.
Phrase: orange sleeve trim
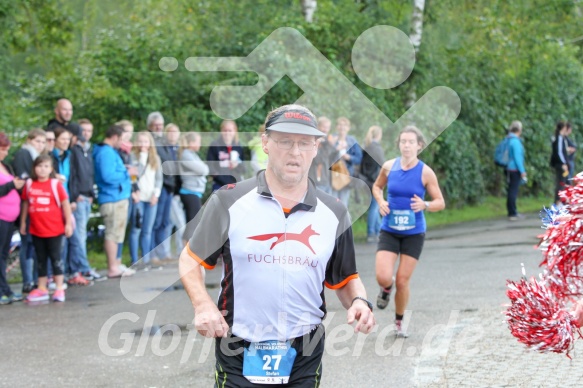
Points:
[[342, 283], [198, 259]]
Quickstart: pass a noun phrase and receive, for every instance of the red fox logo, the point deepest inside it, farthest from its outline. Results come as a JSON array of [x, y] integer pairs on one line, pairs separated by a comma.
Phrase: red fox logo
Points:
[[303, 237]]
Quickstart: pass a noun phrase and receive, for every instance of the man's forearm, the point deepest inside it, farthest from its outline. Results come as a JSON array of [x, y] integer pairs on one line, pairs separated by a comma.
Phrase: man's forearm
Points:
[[193, 280], [350, 291]]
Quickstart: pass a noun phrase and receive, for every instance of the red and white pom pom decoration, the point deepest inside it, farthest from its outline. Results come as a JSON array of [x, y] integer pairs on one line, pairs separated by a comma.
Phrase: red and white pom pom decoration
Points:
[[562, 245], [538, 319], [562, 249]]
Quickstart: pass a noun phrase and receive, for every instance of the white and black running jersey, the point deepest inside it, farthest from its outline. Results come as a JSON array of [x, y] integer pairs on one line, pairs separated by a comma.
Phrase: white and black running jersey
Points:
[[275, 263]]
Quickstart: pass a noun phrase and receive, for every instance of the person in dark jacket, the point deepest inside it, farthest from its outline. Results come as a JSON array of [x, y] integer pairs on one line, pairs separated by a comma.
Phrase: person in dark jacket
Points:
[[22, 165], [327, 155], [81, 197], [571, 149], [225, 155], [167, 148], [372, 158], [559, 158]]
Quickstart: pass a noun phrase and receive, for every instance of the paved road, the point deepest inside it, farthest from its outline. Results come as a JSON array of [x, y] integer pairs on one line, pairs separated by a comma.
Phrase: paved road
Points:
[[458, 335]]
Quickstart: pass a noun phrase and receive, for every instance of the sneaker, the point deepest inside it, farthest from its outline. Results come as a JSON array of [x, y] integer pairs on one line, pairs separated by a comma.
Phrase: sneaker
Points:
[[52, 286], [16, 297], [59, 296], [5, 300], [384, 297], [37, 295], [401, 333], [92, 274], [27, 288], [79, 280], [141, 266]]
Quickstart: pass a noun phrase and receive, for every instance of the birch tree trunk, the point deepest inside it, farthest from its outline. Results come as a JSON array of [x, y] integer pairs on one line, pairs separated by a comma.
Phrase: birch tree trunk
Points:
[[308, 9], [415, 36]]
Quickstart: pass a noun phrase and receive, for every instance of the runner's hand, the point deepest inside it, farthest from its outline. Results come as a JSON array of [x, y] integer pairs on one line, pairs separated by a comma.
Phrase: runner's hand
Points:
[[417, 204], [384, 208], [209, 322], [364, 318]]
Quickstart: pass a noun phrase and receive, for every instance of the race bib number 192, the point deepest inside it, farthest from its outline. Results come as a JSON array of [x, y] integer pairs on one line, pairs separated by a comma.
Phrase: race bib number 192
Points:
[[268, 362], [402, 219]]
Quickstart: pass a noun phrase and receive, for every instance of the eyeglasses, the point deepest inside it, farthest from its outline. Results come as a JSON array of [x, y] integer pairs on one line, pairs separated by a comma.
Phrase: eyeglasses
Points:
[[50, 139], [287, 144]]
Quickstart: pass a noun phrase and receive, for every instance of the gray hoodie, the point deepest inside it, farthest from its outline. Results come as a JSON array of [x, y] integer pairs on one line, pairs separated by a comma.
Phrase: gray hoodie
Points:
[[193, 171]]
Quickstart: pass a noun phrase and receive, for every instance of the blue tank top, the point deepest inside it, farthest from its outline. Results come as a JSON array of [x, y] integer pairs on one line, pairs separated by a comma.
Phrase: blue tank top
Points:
[[401, 187]]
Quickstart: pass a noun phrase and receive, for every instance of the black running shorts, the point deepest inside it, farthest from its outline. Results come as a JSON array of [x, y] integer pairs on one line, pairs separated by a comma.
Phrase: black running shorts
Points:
[[410, 245], [306, 372]]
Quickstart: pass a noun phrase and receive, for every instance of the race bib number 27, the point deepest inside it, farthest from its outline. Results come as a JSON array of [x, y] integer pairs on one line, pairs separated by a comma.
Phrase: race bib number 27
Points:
[[268, 362]]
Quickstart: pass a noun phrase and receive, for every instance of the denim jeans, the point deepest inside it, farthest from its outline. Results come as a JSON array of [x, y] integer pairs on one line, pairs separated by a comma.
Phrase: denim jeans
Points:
[[78, 261], [373, 220], [571, 164], [28, 265], [513, 179], [142, 236], [74, 251], [343, 195], [162, 226]]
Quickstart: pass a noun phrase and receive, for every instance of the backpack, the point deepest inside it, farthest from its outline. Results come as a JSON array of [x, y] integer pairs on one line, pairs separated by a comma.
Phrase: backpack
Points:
[[55, 190], [54, 184], [340, 175], [501, 154]]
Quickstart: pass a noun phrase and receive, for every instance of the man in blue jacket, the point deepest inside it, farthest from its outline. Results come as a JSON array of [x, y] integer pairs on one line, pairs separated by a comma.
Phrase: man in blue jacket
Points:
[[113, 182], [516, 173]]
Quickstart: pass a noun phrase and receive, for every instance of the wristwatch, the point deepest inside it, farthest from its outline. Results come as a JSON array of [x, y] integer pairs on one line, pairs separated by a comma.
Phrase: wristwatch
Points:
[[368, 303], [426, 205]]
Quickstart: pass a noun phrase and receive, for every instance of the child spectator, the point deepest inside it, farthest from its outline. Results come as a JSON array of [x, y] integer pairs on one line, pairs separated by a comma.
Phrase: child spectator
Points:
[[47, 203]]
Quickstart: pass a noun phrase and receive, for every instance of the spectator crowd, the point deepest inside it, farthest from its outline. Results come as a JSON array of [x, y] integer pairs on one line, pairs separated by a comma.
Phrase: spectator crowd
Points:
[[51, 183]]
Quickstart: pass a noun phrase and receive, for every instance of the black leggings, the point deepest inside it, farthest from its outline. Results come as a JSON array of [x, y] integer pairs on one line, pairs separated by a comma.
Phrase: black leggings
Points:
[[48, 248], [192, 205], [6, 229]]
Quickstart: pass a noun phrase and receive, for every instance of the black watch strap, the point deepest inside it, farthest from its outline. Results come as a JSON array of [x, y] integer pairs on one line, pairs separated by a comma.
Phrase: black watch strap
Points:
[[369, 304]]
